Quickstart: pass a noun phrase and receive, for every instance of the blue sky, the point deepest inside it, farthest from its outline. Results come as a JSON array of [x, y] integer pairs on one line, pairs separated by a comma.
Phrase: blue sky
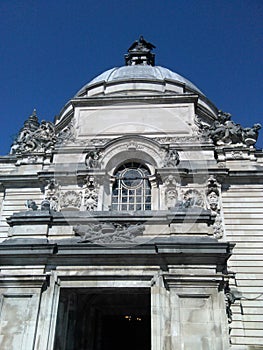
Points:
[[50, 49]]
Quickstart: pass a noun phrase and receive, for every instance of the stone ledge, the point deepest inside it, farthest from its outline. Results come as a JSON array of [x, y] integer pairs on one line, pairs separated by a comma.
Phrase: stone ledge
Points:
[[159, 251], [175, 215]]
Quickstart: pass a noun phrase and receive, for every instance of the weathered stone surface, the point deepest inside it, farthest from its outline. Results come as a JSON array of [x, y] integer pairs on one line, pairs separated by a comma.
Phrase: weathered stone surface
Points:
[[73, 258]]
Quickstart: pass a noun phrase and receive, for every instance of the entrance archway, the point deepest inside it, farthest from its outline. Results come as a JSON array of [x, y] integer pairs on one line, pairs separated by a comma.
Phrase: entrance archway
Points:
[[104, 319]]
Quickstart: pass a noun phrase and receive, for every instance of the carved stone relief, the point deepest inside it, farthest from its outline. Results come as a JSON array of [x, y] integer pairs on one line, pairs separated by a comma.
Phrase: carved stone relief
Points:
[[52, 194], [70, 199], [178, 139], [68, 134], [213, 203], [170, 192], [91, 190], [108, 233], [192, 198]]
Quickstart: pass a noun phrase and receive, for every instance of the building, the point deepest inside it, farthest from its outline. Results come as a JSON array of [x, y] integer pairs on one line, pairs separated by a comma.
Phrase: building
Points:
[[143, 221]]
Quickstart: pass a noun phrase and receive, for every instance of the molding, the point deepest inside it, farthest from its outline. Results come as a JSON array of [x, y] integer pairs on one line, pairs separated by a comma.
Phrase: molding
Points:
[[175, 215], [160, 251]]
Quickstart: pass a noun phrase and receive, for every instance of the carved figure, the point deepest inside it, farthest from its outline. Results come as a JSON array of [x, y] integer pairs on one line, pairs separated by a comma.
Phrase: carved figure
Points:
[[92, 159], [250, 135], [52, 194], [30, 204], [225, 132], [170, 197], [170, 191], [212, 199], [141, 45], [223, 117], [45, 205], [171, 159], [212, 194]]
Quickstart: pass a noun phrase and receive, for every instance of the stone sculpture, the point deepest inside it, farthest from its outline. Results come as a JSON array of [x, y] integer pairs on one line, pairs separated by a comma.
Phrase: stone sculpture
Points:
[[92, 159], [141, 45], [52, 193], [224, 131], [31, 205], [34, 136]]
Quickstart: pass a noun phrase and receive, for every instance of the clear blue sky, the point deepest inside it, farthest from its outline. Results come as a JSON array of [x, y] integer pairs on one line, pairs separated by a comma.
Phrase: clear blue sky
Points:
[[51, 48]]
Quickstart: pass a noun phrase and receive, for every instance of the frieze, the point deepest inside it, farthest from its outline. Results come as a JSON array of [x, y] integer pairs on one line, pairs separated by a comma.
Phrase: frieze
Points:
[[178, 139]]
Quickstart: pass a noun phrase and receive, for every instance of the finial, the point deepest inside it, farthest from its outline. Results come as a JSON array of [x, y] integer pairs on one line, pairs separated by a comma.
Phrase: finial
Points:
[[140, 53]]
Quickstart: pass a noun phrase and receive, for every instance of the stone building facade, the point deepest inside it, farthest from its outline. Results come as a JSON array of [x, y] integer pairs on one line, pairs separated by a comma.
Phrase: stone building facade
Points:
[[134, 221]]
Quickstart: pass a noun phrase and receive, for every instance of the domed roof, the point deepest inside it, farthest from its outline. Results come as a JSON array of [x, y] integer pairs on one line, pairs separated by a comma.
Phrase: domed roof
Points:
[[136, 73], [140, 75]]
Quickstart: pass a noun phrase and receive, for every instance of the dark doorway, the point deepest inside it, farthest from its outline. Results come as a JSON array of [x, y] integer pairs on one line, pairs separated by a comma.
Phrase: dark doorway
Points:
[[104, 319]]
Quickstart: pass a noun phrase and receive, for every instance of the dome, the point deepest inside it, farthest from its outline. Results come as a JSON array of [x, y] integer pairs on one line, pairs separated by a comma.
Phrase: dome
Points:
[[139, 77]]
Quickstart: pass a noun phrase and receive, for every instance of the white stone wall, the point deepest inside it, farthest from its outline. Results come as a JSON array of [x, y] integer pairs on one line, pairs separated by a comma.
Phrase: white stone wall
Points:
[[243, 213], [13, 201]]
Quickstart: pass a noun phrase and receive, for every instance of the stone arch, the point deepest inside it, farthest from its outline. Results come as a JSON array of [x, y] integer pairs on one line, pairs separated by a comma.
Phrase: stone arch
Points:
[[133, 148]]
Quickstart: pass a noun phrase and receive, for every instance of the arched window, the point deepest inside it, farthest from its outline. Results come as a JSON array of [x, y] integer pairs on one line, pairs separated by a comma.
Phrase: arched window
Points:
[[131, 189]]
